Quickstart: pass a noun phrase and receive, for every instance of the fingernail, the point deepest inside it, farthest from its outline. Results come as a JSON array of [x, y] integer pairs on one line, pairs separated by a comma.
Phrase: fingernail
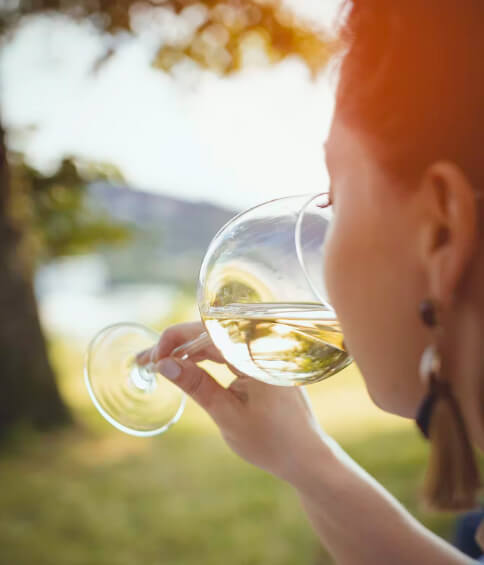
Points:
[[169, 368]]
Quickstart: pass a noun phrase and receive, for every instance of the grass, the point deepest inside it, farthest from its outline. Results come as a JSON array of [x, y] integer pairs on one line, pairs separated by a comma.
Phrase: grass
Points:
[[96, 496]]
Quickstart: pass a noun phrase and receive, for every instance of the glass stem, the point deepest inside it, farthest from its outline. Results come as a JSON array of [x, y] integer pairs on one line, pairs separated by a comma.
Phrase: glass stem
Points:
[[190, 347]]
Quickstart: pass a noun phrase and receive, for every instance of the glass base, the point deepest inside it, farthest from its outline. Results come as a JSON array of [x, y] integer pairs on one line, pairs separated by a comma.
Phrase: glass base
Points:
[[134, 399]]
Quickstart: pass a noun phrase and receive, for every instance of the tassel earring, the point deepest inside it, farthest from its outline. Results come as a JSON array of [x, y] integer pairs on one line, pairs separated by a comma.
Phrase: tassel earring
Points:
[[452, 480]]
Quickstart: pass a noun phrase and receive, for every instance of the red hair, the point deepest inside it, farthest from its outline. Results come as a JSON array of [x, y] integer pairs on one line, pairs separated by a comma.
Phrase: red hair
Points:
[[412, 80]]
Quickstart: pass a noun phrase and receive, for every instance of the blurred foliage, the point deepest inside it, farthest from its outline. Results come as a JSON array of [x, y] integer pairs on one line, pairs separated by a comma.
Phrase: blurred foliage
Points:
[[230, 30], [54, 214], [215, 33]]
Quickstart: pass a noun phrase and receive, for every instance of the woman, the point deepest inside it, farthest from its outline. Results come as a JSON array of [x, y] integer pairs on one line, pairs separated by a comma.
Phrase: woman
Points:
[[404, 156]]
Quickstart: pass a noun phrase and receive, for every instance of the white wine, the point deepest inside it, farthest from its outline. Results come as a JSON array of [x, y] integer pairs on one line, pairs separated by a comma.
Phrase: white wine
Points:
[[279, 343]]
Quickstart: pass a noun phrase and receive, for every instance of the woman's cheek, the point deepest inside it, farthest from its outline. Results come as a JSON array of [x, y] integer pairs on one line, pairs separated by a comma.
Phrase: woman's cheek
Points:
[[348, 276], [338, 266], [330, 267]]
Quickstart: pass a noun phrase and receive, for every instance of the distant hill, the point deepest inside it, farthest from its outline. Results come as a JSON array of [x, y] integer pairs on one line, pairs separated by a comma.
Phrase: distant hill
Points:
[[170, 235]]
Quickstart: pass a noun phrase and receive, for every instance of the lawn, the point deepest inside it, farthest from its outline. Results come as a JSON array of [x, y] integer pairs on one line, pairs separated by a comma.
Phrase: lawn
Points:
[[93, 495]]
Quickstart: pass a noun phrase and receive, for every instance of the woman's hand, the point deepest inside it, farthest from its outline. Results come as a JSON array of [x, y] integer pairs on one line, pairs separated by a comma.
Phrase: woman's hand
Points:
[[275, 429], [269, 426]]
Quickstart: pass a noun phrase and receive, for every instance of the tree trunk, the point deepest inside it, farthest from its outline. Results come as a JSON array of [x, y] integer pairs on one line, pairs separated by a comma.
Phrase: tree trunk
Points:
[[28, 390]]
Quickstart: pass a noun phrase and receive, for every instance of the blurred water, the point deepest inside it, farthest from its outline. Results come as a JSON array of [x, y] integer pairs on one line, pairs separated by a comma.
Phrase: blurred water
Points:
[[76, 298]]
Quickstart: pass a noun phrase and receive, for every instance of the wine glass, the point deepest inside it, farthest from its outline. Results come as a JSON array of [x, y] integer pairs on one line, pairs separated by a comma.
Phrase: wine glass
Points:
[[263, 302]]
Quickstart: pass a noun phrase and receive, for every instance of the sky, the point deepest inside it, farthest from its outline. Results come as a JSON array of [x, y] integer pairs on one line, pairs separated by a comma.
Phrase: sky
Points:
[[234, 141]]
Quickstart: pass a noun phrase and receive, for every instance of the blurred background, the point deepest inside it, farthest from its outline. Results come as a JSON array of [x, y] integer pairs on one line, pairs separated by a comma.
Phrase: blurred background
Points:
[[130, 132]]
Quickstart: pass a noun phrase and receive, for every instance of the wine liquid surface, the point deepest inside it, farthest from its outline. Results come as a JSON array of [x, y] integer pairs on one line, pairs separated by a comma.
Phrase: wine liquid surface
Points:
[[279, 343]]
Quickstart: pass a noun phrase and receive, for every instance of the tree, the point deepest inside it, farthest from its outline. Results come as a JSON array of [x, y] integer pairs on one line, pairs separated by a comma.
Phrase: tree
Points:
[[221, 33], [46, 217], [28, 389], [54, 214]]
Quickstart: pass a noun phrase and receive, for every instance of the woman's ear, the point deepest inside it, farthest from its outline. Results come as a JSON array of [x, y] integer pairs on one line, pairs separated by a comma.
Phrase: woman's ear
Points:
[[448, 228]]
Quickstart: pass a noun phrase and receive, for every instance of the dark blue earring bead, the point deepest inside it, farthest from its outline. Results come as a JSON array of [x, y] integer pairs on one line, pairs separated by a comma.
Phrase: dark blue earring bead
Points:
[[428, 313], [424, 413]]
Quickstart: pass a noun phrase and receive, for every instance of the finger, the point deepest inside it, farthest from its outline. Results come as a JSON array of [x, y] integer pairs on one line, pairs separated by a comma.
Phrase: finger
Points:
[[144, 357], [240, 389], [179, 335], [197, 383], [172, 337], [175, 336]]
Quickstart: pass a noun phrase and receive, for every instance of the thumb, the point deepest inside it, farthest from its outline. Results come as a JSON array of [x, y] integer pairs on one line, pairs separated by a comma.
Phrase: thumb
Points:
[[197, 383]]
